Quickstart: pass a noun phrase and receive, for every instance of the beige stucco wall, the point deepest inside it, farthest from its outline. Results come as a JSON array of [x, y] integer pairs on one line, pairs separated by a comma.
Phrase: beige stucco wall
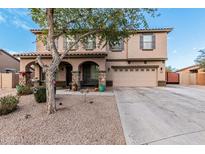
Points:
[[8, 80], [0, 80], [184, 78], [188, 78], [40, 46], [131, 48], [8, 62], [201, 78], [160, 51]]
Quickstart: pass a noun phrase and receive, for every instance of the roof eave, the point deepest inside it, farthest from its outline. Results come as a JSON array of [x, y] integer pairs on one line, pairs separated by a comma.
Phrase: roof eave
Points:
[[167, 30]]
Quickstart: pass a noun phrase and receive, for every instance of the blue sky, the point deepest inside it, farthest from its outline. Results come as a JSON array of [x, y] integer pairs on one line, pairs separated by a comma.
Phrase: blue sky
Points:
[[184, 41]]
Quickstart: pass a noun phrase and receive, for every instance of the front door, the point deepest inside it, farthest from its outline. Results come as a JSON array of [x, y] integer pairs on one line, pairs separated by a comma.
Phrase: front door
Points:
[[68, 75], [90, 74]]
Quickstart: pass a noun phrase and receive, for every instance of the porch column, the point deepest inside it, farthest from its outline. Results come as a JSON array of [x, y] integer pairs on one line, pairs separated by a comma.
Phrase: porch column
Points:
[[76, 79], [102, 78]]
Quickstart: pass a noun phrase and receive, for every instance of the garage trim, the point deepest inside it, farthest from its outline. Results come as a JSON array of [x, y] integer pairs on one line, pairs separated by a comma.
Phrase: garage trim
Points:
[[136, 66]]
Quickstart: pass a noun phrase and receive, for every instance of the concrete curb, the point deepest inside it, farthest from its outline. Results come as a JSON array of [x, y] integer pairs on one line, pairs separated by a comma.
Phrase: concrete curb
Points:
[[122, 122]]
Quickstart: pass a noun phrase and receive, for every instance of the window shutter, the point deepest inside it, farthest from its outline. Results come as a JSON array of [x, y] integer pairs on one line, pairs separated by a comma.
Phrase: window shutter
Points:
[[94, 43], [153, 42], [122, 44], [141, 41]]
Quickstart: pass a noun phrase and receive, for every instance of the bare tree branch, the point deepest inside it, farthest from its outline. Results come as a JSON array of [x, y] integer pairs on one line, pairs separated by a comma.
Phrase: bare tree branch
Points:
[[78, 40], [39, 61], [51, 38]]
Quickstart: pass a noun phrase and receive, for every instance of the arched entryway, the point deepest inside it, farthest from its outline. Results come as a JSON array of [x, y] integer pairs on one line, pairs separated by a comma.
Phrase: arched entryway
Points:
[[89, 72], [29, 73], [64, 74]]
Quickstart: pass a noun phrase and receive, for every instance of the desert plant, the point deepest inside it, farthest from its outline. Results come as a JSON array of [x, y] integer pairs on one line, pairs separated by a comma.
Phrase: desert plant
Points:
[[8, 104], [23, 90], [40, 94]]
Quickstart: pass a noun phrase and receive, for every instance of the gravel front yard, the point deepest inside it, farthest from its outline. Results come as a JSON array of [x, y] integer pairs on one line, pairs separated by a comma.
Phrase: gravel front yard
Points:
[[75, 122], [7, 91]]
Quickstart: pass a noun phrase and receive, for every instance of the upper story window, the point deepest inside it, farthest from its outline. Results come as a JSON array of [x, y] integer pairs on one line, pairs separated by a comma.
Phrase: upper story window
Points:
[[69, 42], [47, 46], [90, 44], [117, 46], [147, 41]]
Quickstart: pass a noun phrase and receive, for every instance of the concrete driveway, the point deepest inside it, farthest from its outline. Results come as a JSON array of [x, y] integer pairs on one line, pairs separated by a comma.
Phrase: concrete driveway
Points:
[[162, 115]]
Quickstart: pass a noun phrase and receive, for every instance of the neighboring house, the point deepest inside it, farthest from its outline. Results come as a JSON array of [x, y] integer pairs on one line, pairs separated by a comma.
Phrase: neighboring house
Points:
[[192, 75], [137, 61], [8, 62]]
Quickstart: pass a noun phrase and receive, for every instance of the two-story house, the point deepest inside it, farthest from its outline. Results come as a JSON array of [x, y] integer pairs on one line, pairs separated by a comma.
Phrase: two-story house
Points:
[[135, 61]]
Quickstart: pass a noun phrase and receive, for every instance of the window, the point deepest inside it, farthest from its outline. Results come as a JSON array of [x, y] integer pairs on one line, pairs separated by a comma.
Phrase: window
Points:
[[117, 46], [47, 46], [68, 42], [90, 44], [147, 42]]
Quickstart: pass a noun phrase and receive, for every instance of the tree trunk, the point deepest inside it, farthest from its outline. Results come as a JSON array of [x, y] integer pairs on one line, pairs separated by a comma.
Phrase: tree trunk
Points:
[[50, 91]]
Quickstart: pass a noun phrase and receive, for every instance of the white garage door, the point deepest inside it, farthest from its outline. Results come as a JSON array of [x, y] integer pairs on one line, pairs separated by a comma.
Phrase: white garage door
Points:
[[133, 77]]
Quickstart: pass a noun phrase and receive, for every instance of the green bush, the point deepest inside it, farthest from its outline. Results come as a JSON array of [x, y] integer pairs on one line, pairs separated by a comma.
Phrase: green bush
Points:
[[40, 94], [23, 90], [8, 104]]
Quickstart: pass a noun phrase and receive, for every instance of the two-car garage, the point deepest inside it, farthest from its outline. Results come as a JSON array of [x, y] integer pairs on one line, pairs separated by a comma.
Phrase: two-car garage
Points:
[[133, 76]]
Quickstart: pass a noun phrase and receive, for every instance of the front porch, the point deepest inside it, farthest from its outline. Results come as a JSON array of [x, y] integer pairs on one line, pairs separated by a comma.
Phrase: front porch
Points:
[[80, 71]]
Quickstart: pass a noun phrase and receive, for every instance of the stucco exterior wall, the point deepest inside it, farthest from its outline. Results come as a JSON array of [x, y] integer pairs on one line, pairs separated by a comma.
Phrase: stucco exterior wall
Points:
[[131, 55], [41, 47], [131, 48], [8, 80], [8, 62], [201, 78], [189, 78], [160, 51]]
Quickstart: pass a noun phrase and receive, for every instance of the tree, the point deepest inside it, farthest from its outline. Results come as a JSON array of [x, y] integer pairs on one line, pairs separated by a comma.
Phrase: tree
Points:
[[109, 25], [201, 58], [170, 69]]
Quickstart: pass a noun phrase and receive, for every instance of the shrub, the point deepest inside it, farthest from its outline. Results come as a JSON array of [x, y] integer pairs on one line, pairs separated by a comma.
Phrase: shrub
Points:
[[23, 90], [40, 94], [8, 104]]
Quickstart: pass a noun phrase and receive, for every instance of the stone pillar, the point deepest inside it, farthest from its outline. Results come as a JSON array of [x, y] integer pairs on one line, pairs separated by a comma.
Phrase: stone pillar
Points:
[[102, 77], [76, 79]]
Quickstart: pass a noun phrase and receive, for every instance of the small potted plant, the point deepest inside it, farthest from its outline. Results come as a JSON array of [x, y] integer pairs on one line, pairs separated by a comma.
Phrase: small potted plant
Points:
[[74, 87], [101, 85]]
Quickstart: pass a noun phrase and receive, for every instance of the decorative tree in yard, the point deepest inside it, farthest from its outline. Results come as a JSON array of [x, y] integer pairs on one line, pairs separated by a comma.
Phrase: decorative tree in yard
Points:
[[170, 69], [109, 25], [201, 58]]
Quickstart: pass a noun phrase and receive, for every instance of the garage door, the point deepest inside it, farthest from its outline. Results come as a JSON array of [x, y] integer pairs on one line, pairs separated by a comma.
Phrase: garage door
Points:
[[135, 77]]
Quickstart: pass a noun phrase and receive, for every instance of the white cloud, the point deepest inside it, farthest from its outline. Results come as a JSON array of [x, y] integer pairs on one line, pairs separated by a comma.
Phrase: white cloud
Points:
[[17, 17], [21, 24], [2, 19]]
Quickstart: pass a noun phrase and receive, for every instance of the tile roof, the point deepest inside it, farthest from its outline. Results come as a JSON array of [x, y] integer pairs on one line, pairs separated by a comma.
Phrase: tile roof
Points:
[[165, 29], [70, 54], [189, 67]]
